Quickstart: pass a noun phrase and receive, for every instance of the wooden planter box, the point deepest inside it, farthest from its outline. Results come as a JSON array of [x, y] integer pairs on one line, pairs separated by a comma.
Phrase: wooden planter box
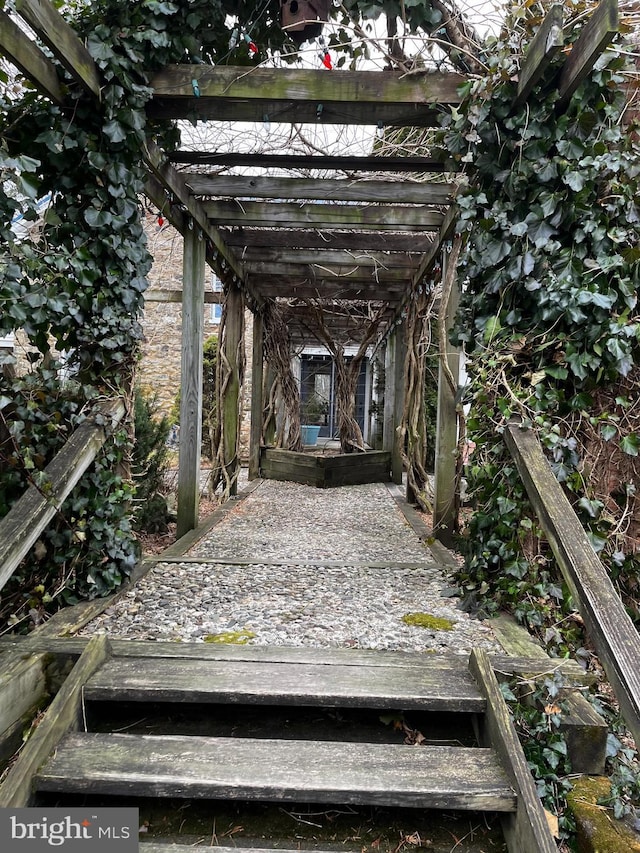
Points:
[[346, 469]]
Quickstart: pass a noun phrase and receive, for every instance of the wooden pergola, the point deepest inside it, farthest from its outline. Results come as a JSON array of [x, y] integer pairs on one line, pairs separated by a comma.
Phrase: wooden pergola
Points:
[[372, 236]]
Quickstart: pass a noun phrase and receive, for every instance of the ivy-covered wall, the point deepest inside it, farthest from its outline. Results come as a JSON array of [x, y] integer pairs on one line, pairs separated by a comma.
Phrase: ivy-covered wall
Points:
[[549, 317]]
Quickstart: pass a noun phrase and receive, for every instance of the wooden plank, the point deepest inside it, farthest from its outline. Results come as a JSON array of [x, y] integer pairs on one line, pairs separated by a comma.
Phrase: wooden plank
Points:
[[361, 241], [328, 289], [585, 733], [321, 189], [351, 460], [354, 272], [321, 162], [594, 38], [608, 624], [28, 517], [22, 685], [29, 59], [383, 262], [544, 47], [191, 371], [527, 830], [177, 680], [227, 93], [257, 402], [64, 714], [162, 294], [506, 665], [291, 215], [279, 770], [63, 42]]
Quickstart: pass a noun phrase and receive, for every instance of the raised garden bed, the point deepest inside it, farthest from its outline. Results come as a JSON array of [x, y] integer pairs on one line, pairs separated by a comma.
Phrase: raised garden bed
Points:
[[343, 469]]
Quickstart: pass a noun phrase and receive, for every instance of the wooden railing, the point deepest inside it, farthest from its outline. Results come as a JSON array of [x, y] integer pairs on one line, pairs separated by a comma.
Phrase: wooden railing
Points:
[[26, 520], [614, 636]]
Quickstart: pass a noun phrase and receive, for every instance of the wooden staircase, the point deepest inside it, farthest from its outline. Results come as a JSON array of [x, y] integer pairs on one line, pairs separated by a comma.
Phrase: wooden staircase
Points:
[[484, 771]]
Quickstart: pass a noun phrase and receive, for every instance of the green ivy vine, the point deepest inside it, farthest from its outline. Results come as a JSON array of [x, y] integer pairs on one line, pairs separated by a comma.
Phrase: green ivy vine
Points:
[[549, 319], [73, 269]]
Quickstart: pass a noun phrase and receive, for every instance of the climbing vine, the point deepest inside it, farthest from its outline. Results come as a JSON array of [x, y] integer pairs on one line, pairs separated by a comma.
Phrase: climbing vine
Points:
[[549, 317]]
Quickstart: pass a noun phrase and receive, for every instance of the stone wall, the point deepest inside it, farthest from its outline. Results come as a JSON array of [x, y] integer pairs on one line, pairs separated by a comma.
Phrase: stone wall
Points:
[[159, 368]]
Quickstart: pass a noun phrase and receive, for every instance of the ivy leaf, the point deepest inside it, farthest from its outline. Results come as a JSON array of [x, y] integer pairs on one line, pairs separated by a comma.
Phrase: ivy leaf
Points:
[[114, 131], [608, 431], [574, 180], [630, 444]]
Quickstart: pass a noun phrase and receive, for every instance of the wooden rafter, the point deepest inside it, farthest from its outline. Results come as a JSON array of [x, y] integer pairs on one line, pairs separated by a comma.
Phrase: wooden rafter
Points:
[[29, 59], [333, 257], [318, 272], [545, 46], [360, 241], [228, 93], [596, 35], [63, 42], [326, 189], [320, 162], [290, 215]]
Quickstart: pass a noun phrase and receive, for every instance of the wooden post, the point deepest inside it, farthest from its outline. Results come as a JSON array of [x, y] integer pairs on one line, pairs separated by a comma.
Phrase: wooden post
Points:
[[234, 328], [397, 465], [444, 506], [257, 378], [191, 380], [389, 392], [393, 400]]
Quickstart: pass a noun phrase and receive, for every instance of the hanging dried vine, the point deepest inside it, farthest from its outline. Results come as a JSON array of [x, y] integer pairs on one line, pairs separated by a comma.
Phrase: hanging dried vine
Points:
[[284, 388], [229, 378], [413, 429]]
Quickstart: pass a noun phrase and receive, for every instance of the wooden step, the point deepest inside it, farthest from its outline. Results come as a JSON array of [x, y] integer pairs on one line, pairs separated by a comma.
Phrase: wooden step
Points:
[[445, 686], [276, 770]]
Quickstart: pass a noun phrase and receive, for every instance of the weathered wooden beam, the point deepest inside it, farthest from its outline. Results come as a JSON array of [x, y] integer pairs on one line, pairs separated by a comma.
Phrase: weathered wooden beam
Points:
[[324, 162], [291, 215], [322, 189], [29, 59], [327, 291], [257, 381], [526, 830], [445, 484], [63, 42], [22, 686], [608, 624], [63, 715], [361, 241], [333, 257], [174, 183], [546, 44], [292, 95], [327, 272], [159, 294], [28, 517], [191, 371], [595, 36]]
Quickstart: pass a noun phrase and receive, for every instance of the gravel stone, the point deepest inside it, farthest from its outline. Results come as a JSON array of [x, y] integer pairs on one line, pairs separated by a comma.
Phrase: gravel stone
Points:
[[353, 604]]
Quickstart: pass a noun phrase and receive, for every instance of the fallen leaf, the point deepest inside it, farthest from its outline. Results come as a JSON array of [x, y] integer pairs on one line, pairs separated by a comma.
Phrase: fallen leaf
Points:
[[552, 820]]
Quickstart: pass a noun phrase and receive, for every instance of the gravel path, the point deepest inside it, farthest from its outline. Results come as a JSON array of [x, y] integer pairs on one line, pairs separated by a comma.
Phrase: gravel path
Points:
[[306, 567]]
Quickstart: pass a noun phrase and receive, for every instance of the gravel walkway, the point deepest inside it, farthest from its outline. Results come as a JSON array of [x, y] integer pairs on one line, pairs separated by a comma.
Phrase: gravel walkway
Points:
[[299, 566]]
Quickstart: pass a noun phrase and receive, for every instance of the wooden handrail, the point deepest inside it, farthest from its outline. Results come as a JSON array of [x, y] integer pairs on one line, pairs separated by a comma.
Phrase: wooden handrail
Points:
[[28, 517], [608, 624]]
